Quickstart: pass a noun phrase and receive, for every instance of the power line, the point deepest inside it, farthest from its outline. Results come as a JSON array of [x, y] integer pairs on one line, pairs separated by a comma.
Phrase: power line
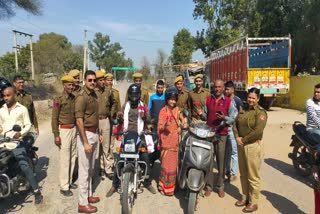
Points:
[[26, 21]]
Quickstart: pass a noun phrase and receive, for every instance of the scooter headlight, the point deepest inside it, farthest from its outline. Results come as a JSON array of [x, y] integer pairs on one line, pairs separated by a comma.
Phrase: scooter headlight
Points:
[[202, 133]]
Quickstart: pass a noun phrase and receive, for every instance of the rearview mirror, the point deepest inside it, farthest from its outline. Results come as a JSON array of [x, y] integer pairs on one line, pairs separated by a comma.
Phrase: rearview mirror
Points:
[[16, 128], [185, 113]]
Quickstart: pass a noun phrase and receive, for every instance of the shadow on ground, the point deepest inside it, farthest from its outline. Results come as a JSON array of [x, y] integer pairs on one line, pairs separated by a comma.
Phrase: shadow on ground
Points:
[[282, 204], [288, 170]]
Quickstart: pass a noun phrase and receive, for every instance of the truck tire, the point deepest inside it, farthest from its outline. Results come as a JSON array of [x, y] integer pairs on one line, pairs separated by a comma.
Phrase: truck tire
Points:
[[266, 102]]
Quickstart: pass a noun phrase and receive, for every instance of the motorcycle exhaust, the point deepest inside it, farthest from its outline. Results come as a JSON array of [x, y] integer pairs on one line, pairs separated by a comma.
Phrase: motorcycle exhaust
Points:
[[4, 180]]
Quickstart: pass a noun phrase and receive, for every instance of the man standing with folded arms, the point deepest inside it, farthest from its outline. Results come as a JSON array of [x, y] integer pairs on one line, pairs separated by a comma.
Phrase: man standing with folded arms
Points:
[[87, 120], [64, 130]]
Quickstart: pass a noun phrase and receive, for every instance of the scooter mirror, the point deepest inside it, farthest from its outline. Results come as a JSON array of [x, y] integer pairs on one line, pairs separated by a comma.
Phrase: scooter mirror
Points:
[[16, 128]]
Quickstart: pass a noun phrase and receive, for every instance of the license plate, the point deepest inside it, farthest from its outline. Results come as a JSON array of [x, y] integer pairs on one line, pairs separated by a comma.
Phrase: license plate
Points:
[[129, 147], [136, 156]]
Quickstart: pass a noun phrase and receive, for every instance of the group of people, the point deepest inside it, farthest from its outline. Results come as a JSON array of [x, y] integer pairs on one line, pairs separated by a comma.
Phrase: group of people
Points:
[[17, 108], [82, 128], [81, 124]]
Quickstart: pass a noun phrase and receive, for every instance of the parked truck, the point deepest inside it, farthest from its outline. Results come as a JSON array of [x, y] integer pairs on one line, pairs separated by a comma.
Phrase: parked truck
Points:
[[263, 63]]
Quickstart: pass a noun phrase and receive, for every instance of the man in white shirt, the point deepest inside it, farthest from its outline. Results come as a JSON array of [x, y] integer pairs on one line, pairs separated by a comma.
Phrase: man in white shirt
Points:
[[313, 115], [13, 113]]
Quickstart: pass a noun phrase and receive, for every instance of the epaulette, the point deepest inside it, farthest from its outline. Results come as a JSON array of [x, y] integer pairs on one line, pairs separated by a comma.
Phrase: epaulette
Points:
[[80, 92], [185, 90], [205, 89], [113, 89]]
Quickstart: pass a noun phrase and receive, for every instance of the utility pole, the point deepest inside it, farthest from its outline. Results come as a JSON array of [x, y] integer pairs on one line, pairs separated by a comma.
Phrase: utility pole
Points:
[[16, 47], [15, 50], [31, 55], [88, 59], [85, 52]]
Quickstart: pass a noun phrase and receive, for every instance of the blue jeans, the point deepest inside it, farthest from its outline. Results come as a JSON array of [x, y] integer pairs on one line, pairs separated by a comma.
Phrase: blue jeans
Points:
[[21, 156], [231, 154]]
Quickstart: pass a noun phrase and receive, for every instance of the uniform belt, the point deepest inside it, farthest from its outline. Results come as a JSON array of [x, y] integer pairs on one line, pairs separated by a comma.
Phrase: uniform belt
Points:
[[102, 117], [91, 129], [67, 126]]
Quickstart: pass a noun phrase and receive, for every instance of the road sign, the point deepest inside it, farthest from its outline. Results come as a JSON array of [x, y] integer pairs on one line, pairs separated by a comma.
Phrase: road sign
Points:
[[124, 69]]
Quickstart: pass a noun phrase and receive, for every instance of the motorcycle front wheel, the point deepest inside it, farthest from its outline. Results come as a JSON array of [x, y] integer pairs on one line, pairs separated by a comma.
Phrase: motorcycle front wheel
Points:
[[127, 199], [300, 161], [192, 202]]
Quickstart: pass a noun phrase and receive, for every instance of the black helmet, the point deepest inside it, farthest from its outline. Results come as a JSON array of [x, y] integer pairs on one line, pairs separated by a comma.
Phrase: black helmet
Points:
[[4, 84], [134, 93], [171, 92]]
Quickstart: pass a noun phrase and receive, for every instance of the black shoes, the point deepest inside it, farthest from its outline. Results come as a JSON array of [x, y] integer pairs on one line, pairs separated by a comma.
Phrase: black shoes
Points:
[[111, 191], [66, 193], [73, 186], [38, 198]]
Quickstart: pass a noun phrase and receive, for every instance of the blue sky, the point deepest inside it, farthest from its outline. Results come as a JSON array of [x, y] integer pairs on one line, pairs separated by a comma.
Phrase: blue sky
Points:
[[141, 26]]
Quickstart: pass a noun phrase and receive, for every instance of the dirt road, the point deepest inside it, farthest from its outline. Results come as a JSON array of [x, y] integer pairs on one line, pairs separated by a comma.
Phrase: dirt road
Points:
[[283, 191]]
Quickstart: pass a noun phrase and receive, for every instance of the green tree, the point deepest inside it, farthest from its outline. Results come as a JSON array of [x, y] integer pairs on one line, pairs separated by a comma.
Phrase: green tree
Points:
[[160, 62], [8, 66], [7, 7], [48, 53], [98, 48], [183, 46], [107, 55], [145, 67]]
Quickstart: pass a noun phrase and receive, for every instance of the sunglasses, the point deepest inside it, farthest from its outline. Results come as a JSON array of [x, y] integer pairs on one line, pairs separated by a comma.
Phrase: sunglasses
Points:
[[92, 80]]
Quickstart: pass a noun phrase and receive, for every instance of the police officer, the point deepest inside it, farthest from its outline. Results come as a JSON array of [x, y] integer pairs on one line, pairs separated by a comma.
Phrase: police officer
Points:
[[197, 99], [105, 152], [115, 103], [248, 130], [76, 76], [87, 120], [137, 79], [183, 94], [64, 130], [26, 100]]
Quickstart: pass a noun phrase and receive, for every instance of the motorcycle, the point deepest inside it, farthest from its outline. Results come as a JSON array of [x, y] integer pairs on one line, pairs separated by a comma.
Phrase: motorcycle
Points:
[[195, 161], [304, 150], [131, 171], [12, 179]]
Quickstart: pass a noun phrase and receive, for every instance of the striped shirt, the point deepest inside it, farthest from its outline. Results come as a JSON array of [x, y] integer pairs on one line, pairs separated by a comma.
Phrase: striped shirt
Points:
[[313, 114]]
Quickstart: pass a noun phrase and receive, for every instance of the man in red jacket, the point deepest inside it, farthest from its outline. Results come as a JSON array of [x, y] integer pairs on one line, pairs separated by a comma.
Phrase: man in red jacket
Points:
[[219, 115]]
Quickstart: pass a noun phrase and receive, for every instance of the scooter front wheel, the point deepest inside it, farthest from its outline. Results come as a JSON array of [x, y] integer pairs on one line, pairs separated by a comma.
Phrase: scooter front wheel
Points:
[[192, 202]]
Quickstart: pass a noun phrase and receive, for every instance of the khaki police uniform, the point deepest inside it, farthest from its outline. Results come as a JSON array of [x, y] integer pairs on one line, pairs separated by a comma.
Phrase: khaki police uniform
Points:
[[116, 106], [75, 73], [63, 126], [144, 92], [25, 99], [87, 107], [197, 99], [183, 97], [249, 125], [105, 152], [76, 90]]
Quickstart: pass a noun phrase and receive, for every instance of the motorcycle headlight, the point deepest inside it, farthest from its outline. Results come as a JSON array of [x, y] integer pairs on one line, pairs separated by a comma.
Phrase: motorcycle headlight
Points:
[[129, 146]]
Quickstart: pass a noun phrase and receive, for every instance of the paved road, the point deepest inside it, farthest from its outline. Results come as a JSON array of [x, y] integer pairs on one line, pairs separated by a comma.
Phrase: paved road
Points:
[[283, 191]]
